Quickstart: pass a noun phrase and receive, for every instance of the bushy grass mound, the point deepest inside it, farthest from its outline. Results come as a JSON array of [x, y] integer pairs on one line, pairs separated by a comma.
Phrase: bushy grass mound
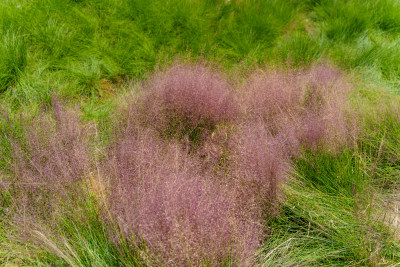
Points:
[[187, 101], [181, 200]]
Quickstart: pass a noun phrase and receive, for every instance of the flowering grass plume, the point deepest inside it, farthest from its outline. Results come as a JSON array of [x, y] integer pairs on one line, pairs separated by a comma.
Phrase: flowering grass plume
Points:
[[51, 161], [196, 164], [205, 204], [187, 101], [185, 216], [307, 108]]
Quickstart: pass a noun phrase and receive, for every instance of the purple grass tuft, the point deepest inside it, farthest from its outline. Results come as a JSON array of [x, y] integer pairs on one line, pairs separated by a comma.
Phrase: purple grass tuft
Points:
[[205, 205], [187, 100], [185, 216], [309, 107], [51, 162]]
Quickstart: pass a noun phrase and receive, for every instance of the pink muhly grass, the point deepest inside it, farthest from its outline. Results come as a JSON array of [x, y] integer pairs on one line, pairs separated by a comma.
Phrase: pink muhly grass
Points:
[[52, 160], [309, 107], [209, 204], [329, 123], [266, 94], [258, 167], [185, 216], [187, 100]]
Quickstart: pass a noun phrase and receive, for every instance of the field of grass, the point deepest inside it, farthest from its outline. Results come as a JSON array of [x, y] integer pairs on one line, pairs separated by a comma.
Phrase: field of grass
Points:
[[199, 133]]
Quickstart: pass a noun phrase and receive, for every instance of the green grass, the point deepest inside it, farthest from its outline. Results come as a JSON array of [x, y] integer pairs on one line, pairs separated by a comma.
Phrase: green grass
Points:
[[298, 49], [79, 237], [88, 242], [71, 46], [329, 217], [13, 59]]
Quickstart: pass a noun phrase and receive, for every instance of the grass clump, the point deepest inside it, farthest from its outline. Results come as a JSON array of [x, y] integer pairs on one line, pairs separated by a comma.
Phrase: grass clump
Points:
[[302, 107], [343, 21], [184, 215], [329, 218], [299, 49], [49, 201], [188, 101], [250, 28], [166, 192], [51, 162], [13, 59]]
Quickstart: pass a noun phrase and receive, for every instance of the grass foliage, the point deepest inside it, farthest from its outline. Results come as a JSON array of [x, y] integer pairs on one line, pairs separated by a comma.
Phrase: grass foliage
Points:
[[13, 59], [73, 47], [199, 133]]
